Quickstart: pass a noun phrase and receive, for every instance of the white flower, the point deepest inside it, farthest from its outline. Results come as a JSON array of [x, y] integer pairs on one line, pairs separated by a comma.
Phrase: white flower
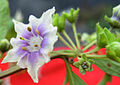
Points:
[[33, 43]]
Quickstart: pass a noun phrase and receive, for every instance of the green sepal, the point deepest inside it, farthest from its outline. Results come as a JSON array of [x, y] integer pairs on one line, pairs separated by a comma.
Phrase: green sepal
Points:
[[104, 36], [112, 22], [102, 40], [72, 16], [84, 64], [110, 36], [101, 37]]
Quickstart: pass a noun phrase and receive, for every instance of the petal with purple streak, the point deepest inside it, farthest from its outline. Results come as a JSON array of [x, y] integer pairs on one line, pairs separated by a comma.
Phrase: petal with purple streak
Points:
[[27, 34]]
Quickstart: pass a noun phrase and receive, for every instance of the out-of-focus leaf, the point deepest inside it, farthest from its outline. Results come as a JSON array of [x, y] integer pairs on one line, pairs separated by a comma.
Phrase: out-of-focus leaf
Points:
[[11, 32], [4, 18], [107, 78], [109, 66], [71, 77]]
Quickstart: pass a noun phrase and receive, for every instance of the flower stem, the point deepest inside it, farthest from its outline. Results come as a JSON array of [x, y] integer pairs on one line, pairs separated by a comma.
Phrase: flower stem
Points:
[[62, 53], [69, 39], [94, 50], [75, 35], [89, 45], [10, 71], [97, 56], [63, 40]]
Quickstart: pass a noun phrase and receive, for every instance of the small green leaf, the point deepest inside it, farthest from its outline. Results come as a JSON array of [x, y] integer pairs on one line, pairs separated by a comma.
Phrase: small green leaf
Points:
[[71, 77], [4, 18], [109, 66]]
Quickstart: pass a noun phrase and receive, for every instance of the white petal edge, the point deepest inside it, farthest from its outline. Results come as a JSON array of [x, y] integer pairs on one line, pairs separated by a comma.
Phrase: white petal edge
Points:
[[52, 37], [46, 18], [15, 42], [33, 71], [20, 27], [11, 56]]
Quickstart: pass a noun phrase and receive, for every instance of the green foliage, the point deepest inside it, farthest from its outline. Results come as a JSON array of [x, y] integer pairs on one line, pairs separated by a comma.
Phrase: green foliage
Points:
[[107, 78], [71, 77], [109, 66], [11, 32], [4, 18], [72, 16]]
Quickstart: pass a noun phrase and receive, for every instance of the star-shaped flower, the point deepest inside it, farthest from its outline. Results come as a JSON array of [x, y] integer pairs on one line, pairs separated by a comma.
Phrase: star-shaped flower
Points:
[[33, 43]]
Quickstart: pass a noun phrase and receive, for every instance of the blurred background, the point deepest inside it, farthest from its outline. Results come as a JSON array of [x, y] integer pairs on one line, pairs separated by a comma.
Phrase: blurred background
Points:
[[91, 11]]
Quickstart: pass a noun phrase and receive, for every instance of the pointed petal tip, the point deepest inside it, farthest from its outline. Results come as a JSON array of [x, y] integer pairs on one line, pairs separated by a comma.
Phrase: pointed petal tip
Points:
[[3, 61], [35, 81]]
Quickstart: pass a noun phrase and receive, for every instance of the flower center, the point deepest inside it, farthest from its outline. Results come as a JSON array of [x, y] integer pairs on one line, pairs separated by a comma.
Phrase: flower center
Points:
[[35, 43]]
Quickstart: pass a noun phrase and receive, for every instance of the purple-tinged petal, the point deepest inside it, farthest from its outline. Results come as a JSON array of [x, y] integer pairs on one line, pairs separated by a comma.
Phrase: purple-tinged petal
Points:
[[49, 39], [27, 34], [23, 61], [35, 61], [20, 51]]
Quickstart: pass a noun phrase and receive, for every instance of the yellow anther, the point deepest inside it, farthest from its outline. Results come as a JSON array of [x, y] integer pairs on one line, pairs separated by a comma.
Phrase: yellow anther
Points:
[[37, 31], [24, 48], [29, 29], [22, 38]]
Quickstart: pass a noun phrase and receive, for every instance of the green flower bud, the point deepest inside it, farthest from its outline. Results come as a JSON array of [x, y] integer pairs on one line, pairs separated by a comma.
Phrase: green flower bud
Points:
[[113, 51], [59, 21], [83, 64], [114, 21], [101, 37], [72, 16], [4, 45], [104, 36]]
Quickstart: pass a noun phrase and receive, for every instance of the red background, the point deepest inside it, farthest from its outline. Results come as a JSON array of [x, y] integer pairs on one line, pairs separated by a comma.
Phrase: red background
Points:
[[53, 73]]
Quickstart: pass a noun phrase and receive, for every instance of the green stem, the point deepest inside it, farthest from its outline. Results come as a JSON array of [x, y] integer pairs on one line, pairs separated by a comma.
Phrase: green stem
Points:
[[94, 50], [68, 38], [97, 56], [89, 45], [75, 35], [10, 71], [63, 40], [62, 53]]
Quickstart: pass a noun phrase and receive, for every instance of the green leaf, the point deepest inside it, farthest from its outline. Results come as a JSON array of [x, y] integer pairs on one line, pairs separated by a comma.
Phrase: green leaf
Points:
[[109, 66], [71, 77], [107, 78], [4, 18]]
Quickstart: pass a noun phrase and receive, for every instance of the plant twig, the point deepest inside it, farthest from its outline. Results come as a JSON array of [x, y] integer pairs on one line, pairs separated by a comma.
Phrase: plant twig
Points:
[[75, 35], [69, 39], [63, 40]]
